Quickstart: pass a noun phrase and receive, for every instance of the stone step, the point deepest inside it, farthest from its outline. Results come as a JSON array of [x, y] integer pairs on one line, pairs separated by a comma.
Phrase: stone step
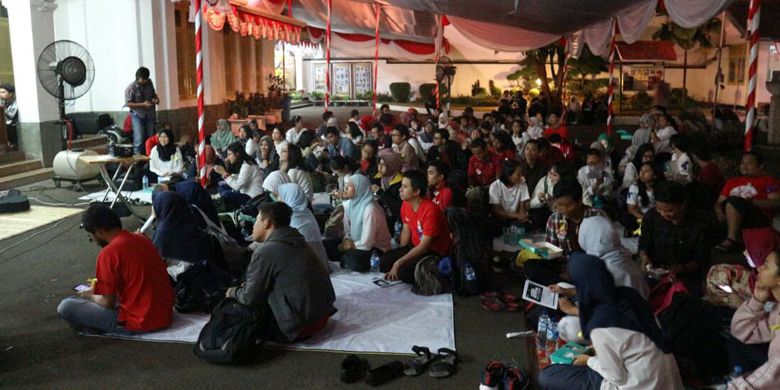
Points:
[[10, 157], [25, 178], [19, 167]]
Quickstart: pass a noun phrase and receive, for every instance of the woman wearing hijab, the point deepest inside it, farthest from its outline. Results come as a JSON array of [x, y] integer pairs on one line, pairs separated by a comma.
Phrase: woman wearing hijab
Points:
[[267, 158], [178, 239], [752, 324], [199, 201], [630, 349], [222, 138], [389, 173], [303, 219], [165, 160], [365, 225]]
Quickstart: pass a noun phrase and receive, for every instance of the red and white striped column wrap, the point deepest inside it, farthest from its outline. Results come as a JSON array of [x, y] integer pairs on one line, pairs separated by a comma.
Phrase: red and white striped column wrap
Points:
[[377, 11], [199, 94], [327, 56], [564, 69], [611, 90], [754, 19]]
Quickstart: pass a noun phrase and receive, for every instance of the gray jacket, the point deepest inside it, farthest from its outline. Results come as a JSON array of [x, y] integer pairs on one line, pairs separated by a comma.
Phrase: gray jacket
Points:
[[285, 273]]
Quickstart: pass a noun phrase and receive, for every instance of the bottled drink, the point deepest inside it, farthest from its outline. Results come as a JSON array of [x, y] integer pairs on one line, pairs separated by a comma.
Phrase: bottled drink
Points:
[[541, 329], [552, 337], [736, 372], [374, 262], [145, 182], [397, 229], [468, 272]]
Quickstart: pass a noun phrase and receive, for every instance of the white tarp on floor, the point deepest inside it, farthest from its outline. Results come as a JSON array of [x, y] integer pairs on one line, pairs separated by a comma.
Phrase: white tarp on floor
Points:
[[144, 196], [369, 319]]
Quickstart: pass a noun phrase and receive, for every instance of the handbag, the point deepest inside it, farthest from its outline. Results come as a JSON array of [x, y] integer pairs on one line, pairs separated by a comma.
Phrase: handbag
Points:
[[661, 294]]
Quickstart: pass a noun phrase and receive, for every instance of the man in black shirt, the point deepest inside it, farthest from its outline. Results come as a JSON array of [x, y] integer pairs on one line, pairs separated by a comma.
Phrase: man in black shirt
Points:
[[675, 237]]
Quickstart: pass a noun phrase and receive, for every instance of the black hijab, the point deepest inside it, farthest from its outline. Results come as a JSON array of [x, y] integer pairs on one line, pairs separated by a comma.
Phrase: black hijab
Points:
[[604, 305], [194, 195], [178, 235], [166, 152]]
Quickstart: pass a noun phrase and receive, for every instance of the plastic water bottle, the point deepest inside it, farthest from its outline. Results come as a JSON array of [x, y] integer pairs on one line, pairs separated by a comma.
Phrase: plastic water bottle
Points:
[[397, 228], [145, 182], [736, 372], [468, 272], [374, 262], [552, 337], [541, 340]]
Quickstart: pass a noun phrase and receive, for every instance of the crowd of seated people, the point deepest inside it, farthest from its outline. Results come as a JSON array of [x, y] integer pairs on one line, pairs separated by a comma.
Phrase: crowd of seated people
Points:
[[400, 182]]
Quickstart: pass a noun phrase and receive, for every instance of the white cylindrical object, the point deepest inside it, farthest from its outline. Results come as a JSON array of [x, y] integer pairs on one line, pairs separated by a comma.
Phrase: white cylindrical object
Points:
[[68, 165]]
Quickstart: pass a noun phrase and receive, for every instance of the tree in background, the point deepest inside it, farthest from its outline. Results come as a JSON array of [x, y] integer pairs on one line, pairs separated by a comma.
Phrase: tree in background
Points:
[[538, 60]]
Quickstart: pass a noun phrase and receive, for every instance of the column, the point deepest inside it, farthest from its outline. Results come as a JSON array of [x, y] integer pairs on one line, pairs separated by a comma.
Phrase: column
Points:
[[773, 85], [31, 24]]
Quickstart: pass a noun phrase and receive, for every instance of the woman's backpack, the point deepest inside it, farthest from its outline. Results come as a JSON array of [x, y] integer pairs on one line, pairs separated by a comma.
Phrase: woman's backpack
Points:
[[428, 280], [232, 334]]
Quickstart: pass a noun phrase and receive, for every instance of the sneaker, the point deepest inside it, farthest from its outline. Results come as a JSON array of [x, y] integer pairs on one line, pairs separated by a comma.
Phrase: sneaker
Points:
[[492, 376]]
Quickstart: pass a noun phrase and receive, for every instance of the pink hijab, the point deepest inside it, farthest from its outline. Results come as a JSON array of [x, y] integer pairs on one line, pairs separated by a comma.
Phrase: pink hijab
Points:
[[759, 243]]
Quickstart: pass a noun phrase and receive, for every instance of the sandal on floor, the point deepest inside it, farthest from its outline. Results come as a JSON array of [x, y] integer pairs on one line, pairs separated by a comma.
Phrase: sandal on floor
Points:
[[515, 379], [506, 297], [385, 373], [353, 369], [495, 305], [492, 376], [417, 365], [728, 245], [445, 364]]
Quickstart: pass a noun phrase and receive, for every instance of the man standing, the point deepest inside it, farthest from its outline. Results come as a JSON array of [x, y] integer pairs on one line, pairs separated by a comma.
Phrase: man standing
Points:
[[141, 99], [425, 230], [132, 293], [285, 280]]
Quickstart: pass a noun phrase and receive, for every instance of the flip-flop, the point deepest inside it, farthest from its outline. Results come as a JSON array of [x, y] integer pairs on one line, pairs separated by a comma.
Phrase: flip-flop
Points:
[[496, 304], [445, 364], [417, 365], [506, 297], [353, 369]]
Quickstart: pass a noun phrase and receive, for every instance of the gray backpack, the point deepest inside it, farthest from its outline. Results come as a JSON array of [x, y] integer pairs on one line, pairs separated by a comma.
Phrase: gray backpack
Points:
[[427, 280]]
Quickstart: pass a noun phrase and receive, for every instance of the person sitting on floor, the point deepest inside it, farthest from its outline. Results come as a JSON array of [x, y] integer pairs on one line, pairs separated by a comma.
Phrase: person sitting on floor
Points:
[[338, 145], [303, 219], [484, 165], [165, 160], [178, 239], [508, 196], [267, 158], [424, 227], [753, 325], [199, 201], [401, 145], [132, 293], [595, 179], [640, 198], [365, 225], [534, 168], [389, 172], [293, 135], [631, 351], [293, 164], [440, 192], [244, 182], [644, 154], [222, 138], [285, 280], [676, 237], [541, 205], [747, 201], [680, 166]]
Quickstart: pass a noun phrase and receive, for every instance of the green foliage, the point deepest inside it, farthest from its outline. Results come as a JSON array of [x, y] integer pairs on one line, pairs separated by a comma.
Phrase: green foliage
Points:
[[317, 95], [585, 87], [588, 64], [494, 91], [384, 97], [688, 38], [401, 91], [368, 95], [426, 89], [478, 101], [640, 101]]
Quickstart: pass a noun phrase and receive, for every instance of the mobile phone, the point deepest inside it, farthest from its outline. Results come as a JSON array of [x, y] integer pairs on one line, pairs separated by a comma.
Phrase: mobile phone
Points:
[[724, 287], [80, 287]]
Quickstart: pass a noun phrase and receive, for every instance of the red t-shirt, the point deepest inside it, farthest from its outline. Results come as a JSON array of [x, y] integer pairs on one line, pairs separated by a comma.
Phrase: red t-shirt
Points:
[[130, 268], [711, 177], [442, 196], [751, 187], [506, 154], [484, 172], [560, 130], [429, 221]]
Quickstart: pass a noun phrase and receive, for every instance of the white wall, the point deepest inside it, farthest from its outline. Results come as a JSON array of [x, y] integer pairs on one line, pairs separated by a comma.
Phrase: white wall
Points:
[[144, 35]]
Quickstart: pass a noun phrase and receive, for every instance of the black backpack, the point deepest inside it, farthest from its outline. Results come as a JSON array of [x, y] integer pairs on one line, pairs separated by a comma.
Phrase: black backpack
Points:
[[232, 335], [14, 202]]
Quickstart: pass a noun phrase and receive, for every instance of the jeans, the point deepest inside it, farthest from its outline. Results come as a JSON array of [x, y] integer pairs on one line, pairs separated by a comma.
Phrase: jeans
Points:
[[143, 128], [82, 313], [569, 377], [233, 198]]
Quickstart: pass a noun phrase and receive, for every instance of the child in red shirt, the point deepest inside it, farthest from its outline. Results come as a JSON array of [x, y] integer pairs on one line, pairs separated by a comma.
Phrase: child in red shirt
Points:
[[484, 166]]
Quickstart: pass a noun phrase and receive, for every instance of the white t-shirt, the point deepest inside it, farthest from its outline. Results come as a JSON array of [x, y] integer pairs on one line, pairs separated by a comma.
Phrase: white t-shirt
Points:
[[680, 169], [508, 197], [293, 136], [633, 198], [663, 139]]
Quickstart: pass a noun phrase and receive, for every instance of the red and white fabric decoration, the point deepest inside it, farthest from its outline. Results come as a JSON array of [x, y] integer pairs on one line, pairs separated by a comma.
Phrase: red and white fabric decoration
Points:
[[247, 23], [377, 12], [754, 19], [611, 88], [328, 37], [500, 37]]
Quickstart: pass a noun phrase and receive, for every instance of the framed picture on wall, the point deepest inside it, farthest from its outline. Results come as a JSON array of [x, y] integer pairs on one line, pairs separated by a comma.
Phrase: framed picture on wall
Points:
[[319, 77], [342, 79], [362, 78]]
